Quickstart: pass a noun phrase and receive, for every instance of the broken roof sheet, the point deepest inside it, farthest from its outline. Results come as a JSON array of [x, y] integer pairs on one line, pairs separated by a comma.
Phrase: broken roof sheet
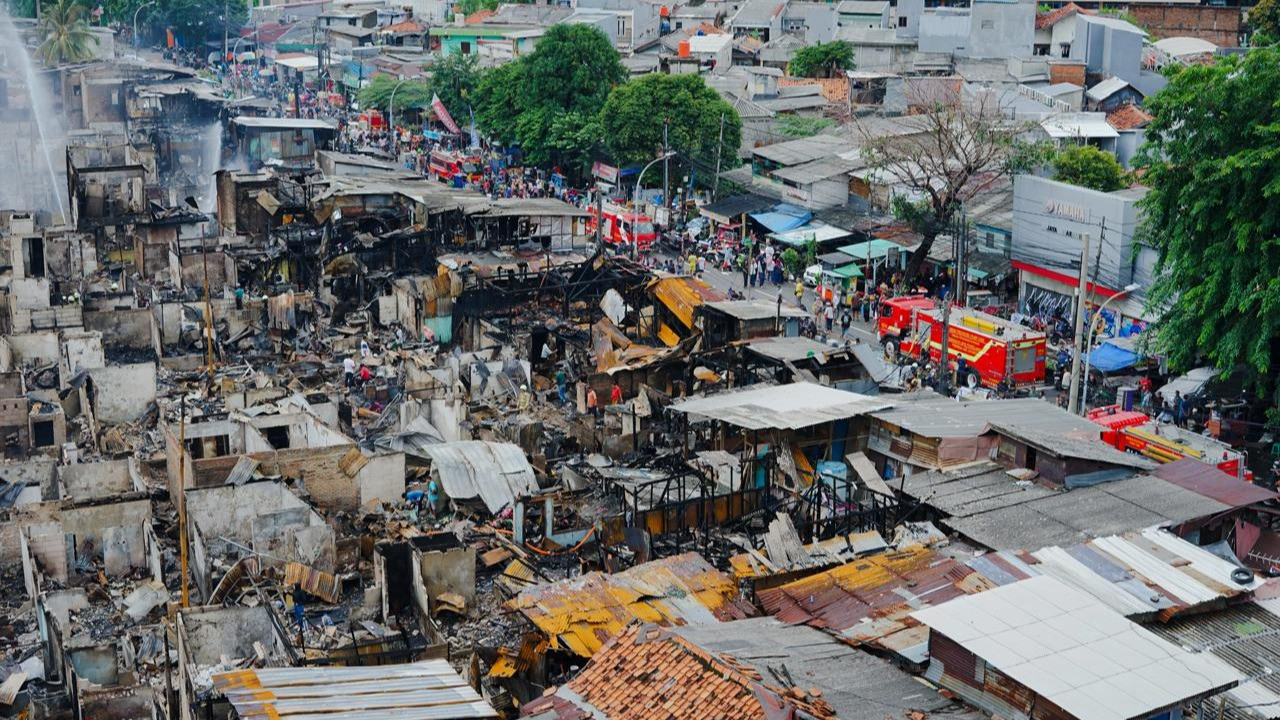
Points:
[[780, 407], [1246, 637], [429, 690], [683, 295], [648, 672], [857, 685], [579, 615], [995, 509], [1074, 651], [931, 415], [1204, 479], [495, 472], [756, 309], [1066, 445], [1145, 573], [791, 349]]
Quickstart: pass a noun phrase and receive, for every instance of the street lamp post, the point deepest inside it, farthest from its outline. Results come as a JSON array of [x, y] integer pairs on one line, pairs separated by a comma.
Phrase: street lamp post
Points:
[[635, 199], [1093, 326], [135, 23], [391, 121]]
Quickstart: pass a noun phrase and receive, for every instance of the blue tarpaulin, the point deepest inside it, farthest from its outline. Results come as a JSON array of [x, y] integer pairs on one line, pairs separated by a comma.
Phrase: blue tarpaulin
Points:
[[1109, 358], [783, 217]]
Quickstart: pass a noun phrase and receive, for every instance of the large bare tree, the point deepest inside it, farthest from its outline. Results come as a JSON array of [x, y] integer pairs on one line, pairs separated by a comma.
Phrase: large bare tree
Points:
[[957, 147]]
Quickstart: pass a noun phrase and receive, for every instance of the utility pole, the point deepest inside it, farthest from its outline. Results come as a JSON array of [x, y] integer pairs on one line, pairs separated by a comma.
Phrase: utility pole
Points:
[[715, 184], [1082, 295], [666, 167], [944, 355], [182, 495], [599, 217]]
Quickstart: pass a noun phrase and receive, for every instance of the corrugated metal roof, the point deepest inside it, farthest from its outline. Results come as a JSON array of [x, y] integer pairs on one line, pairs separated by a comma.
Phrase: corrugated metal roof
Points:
[[1204, 479], [1246, 637], [931, 415], [756, 309], [429, 690], [684, 295], [793, 406], [1148, 573], [579, 615], [1076, 652], [495, 472]]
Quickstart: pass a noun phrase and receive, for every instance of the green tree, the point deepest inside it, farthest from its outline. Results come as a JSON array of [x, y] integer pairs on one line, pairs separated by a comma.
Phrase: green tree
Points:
[[1265, 20], [1212, 160], [791, 260], [1087, 166], [454, 79], [196, 21], [549, 101], [572, 69], [496, 100], [635, 114], [65, 36], [378, 93], [823, 59]]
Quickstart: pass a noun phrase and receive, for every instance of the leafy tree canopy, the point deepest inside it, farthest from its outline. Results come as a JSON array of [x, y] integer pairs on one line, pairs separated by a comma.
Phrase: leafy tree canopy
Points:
[[1265, 19], [454, 79], [823, 59], [1213, 213], [1087, 166], [64, 32], [635, 113], [378, 93], [572, 70], [549, 101]]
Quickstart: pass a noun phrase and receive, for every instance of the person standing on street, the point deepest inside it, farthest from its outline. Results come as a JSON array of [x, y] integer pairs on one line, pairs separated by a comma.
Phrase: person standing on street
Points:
[[800, 292], [829, 313], [846, 319]]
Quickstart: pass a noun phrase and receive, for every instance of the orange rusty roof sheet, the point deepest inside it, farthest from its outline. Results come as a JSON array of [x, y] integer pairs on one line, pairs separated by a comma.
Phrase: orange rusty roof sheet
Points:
[[579, 615], [684, 295], [647, 673], [832, 89], [870, 600], [1052, 17], [1128, 117]]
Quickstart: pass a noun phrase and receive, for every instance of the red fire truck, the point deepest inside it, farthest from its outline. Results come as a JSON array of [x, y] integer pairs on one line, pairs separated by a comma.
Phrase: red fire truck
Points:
[[994, 350], [1136, 432], [449, 167], [623, 227]]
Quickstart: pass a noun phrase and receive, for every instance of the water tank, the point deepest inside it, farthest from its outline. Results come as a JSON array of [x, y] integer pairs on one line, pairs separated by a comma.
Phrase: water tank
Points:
[[684, 49]]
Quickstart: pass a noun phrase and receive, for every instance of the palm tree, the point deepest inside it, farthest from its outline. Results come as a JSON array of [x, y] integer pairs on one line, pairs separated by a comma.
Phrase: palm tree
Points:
[[66, 34]]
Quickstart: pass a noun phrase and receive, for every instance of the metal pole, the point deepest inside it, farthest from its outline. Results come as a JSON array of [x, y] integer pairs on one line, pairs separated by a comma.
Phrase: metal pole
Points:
[[635, 202], [1082, 295], [666, 170], [715, 183], [1093, 325], [135, 24], [391, 121], [182, 495]]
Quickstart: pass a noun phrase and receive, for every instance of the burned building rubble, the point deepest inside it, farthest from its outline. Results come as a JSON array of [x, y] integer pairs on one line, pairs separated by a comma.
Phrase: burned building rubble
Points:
[[288, 430]]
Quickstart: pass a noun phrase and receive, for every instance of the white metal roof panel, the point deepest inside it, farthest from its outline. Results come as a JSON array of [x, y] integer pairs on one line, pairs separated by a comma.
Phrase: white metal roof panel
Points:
[[781, 407], [1142, 674], [497, 473], [1079, 125]]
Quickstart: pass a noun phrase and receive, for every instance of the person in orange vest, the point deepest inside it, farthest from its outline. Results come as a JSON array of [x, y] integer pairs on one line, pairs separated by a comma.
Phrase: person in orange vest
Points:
[[615, 395]]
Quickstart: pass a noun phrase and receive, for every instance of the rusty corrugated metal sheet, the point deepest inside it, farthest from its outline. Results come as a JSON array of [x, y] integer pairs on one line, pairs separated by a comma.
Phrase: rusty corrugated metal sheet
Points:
[[579, 615], [318, 583], [684, 295], [870, 600], [1204, 479]]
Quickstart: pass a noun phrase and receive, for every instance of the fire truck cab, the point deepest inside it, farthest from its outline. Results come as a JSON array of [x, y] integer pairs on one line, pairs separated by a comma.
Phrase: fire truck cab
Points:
[[1136, 432], [993, 350], [453, 168], [622, 227]]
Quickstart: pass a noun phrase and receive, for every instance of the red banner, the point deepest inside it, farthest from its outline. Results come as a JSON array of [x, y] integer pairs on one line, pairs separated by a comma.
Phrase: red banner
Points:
[[442, 114]]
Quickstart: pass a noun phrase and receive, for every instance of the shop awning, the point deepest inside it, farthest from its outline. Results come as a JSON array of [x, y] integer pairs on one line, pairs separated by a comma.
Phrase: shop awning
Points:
[[870, 250], [1109, 358], [816, 230], [783, 217], [852, 270]]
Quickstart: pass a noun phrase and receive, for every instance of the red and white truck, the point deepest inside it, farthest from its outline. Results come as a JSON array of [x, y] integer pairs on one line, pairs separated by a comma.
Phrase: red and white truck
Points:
[[623, 227], [1136, 432], [994, 350]]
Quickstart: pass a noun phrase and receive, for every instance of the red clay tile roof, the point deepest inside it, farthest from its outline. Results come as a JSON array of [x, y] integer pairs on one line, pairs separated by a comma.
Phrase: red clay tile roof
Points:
[[407, 26], [1128, 117], [648, 673], [833, 89], [479, 16], [1052, 17]]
